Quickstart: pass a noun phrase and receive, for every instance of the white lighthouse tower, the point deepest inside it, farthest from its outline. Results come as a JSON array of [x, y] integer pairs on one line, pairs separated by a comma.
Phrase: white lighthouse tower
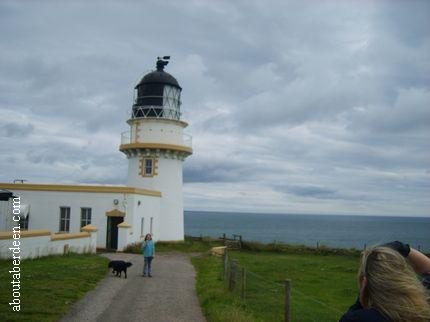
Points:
[[156, 146]]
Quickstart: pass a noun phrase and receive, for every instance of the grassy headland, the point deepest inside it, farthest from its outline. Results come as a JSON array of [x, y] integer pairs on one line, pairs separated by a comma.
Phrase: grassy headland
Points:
[[323, 286], [49, 285], [189, 245], [323, 280]]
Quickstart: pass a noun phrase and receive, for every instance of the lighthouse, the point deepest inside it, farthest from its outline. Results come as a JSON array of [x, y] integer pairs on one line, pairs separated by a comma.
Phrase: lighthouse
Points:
[[156, 146]]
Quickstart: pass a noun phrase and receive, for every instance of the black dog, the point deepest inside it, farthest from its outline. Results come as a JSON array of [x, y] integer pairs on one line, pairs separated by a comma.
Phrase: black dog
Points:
[[119, 266]]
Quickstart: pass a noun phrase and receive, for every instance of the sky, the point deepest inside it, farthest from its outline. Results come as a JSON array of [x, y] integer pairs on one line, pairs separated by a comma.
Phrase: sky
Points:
[[294, 106]]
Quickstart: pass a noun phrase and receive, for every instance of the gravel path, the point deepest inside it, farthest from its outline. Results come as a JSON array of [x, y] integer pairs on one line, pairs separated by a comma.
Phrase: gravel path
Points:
[[168, 296]]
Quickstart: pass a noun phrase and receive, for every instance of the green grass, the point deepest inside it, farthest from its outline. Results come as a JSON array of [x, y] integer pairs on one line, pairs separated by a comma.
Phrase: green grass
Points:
[[218, 304], [49, 285], [330, 279], [189, 245]]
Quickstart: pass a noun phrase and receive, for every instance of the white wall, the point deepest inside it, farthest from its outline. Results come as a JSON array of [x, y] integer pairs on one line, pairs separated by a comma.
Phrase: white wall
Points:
[[5, 220], [157, 131], [148, 207], [38, 246], [45, 209], [168, 180]]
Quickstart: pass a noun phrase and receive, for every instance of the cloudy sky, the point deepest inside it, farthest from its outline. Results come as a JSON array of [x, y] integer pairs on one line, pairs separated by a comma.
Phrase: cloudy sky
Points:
[[294, 106]]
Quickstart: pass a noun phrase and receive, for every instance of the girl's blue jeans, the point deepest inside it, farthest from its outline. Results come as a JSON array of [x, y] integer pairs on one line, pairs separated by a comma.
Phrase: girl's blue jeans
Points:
[[147, 265]]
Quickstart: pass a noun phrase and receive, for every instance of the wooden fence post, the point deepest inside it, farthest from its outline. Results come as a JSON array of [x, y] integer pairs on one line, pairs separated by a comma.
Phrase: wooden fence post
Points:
[[287, 300], [225, 264], [243, 291], [232, 280]]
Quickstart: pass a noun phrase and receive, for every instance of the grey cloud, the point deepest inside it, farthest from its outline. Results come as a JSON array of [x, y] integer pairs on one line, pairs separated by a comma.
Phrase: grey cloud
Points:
[[308, 191], [329, 97], [16, 130]]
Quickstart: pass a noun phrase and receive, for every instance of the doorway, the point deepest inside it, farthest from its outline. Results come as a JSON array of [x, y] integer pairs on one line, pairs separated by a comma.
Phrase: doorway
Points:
[[112, 232]]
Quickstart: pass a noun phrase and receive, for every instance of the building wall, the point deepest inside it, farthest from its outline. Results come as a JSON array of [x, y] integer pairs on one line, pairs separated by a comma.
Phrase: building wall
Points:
[[147, 209], [39, 246], [168, 179], [45, 209], [156, 131], [5, 220]]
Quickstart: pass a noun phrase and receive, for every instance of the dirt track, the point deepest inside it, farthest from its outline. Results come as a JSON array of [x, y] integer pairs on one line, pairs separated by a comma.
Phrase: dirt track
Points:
[[168, 296]]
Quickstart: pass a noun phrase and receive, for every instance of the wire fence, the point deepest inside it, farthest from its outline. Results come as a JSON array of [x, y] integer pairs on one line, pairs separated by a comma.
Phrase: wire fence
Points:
[[276, 297]]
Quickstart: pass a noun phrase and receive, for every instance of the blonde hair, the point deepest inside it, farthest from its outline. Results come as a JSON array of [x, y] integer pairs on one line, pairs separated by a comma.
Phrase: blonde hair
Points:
[[392, 287]]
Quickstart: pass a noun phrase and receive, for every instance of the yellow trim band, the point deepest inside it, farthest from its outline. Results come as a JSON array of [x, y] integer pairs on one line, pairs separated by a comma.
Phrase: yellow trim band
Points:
[[123, 225], [69, 236], [24, 233], [79, 188], [115, 213], [160, 146], [89, 228], [149, 119]]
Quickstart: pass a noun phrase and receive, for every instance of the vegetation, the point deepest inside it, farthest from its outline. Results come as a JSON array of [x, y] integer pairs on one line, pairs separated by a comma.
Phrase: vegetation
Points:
[[323, 283], [49, 285], [189, 245], [298, 249]]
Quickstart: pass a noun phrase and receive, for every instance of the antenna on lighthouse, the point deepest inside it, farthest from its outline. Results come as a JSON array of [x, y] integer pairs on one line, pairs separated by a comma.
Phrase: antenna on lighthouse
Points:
[[161, 62]]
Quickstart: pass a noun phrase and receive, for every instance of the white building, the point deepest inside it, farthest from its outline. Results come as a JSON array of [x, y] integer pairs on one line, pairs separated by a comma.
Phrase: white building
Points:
[[151, 202]]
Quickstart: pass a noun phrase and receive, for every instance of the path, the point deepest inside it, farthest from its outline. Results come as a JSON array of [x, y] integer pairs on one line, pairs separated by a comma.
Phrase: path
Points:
[[168, 296]]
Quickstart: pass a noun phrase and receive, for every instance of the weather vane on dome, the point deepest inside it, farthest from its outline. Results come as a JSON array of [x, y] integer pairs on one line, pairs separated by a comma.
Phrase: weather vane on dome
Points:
[[161, 62]]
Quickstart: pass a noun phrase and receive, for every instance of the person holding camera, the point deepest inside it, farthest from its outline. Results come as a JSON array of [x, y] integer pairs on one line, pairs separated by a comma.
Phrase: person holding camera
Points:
[[148, 251], [394, 285]]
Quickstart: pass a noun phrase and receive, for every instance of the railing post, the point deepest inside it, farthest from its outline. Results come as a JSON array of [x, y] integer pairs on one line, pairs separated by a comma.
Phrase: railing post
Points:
[[287, 300], [232, 281], [225, 264], [243, 290]]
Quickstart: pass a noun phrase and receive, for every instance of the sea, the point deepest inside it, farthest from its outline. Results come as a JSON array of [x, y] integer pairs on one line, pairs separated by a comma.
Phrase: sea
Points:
[[337, 231]]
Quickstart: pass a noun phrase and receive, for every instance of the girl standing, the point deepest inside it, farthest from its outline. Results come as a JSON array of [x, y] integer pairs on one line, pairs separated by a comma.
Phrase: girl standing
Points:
[[148, 250]]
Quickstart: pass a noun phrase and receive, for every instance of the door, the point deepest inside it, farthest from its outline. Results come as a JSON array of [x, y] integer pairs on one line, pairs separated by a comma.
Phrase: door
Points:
[[112, 232]]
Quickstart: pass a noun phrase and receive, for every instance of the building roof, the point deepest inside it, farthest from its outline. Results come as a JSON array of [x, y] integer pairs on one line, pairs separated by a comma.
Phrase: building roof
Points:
[[79, 188], [5, 195], [159, 77]]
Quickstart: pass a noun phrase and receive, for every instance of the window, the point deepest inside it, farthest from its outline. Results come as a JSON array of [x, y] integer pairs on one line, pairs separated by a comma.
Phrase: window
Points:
[[65, 219], [23, 222], [142, 226], [85, 216], [150, 227], [148, 167]]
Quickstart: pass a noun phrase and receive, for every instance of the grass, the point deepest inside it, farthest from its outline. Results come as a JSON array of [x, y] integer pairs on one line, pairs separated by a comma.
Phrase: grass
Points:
[[323, 280], [328, 279], [189, 245], [49, 285]]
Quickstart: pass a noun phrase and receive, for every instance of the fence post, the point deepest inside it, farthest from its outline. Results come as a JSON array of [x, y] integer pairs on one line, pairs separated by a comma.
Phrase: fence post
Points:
[[419, 248], [232, 280], [365, 246], [318, 244], [287, 300], [242, 293], [225, 264]]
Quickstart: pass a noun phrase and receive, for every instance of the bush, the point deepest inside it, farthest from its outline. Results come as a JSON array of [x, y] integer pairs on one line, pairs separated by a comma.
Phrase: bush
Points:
[[297, 249]]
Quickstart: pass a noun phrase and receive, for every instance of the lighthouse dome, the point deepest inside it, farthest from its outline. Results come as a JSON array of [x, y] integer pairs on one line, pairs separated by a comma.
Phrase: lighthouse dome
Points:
[[158, 77], [158, 94]]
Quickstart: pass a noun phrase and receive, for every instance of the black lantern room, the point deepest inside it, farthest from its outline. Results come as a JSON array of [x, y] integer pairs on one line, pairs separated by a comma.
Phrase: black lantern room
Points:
[[158, 94]]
